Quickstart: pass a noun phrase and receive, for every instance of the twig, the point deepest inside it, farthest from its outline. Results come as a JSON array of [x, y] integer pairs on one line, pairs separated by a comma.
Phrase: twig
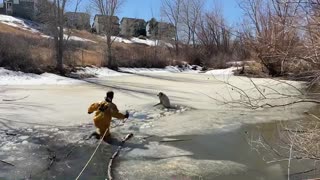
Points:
[[287, 104], [15, 99], [289, 162], [297, 89], [296, 131], [10, 134], [68, 154], [257, 88], [175, 140], [314, 116], [116, 154], [303, 172], [52, 158], [6, 163]]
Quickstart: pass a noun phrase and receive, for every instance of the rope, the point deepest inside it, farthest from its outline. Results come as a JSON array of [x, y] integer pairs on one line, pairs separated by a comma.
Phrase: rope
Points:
[[94, 152]]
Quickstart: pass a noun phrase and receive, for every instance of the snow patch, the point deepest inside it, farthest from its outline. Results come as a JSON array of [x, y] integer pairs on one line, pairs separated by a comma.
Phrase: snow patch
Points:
[[97, 72], [145, 41], [8, 146], [136, 40], [20, 23], [119, 39], [76, 38], [23, 137], [8, 77], [228, 71]]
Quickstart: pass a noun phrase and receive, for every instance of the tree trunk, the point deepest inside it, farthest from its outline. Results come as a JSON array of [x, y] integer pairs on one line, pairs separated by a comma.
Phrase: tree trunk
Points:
[[111, 61], [60, 50]]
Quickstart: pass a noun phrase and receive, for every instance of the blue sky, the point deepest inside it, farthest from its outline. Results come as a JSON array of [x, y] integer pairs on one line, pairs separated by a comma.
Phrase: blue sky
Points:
[[146, 9]]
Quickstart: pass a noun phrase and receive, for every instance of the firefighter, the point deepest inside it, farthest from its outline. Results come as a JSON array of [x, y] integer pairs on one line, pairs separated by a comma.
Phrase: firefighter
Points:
[[104, 111]]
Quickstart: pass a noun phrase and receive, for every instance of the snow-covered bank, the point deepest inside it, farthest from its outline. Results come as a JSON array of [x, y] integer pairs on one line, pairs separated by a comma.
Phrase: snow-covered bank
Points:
[[105, 72], [217, 72], [96, 72], [8, 77], [20, 23]]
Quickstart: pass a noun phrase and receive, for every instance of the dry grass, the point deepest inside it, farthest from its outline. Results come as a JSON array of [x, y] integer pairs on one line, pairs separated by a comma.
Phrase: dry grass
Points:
[[86, 53], [252, 69], [43, 55], [85, 57], [17, 31]]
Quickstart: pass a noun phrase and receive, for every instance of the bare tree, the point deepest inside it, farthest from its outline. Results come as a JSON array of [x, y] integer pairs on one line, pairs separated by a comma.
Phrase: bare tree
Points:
[[171, 11], [109, 8], [271, 32], [191, 13], [295, 140], [213, 33], [57, 30], [52, 14]]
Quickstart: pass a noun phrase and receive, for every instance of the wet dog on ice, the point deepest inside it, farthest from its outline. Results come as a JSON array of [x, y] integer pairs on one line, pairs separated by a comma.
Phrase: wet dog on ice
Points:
[[164, 100]]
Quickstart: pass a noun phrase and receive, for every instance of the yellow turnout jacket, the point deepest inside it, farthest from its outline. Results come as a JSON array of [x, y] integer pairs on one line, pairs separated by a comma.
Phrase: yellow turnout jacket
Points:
[[104, 113]]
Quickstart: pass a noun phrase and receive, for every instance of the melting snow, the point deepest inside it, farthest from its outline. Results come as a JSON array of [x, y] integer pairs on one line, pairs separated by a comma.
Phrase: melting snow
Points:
[[98, 72], [228, 71], [106, 72], [135, 40], [20, 23], [120, 40], [8, 77], [76, 38], [33, 27], [23, 137]]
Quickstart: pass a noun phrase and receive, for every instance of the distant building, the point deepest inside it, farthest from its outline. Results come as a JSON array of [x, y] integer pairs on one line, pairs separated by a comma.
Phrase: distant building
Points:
[[160, 30], [77, 20], [100, 24], [131, 27], [19, 8]]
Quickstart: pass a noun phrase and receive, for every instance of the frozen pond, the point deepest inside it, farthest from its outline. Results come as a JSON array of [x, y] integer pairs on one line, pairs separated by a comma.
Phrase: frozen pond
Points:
[[42, 135]]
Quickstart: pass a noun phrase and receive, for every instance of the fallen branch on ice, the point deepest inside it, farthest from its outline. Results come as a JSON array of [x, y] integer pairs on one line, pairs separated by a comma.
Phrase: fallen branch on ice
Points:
[[16, 99], [6, 163], [174, 140], [116, 154]]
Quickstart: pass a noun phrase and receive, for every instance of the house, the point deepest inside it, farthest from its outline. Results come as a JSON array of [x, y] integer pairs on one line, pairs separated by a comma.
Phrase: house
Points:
[[19, 8], [100, 24], [78, 20], [131, 27], [160, 30]]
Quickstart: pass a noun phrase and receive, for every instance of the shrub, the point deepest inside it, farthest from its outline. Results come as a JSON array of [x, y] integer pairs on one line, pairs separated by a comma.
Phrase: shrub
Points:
[[15, 53]]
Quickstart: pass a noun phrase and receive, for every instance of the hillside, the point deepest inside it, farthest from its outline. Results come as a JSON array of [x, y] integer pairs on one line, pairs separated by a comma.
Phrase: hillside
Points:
[[84, 48]]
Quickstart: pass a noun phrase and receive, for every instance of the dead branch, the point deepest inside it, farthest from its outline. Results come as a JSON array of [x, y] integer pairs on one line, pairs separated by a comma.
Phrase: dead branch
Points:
[[297, 131], [52, 157], [287, 104], [6, 163], [303, 172], [174, 140], [257, 88], [69, 153], [16, 99], [312, 115], [10, 134], [115, 154]]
